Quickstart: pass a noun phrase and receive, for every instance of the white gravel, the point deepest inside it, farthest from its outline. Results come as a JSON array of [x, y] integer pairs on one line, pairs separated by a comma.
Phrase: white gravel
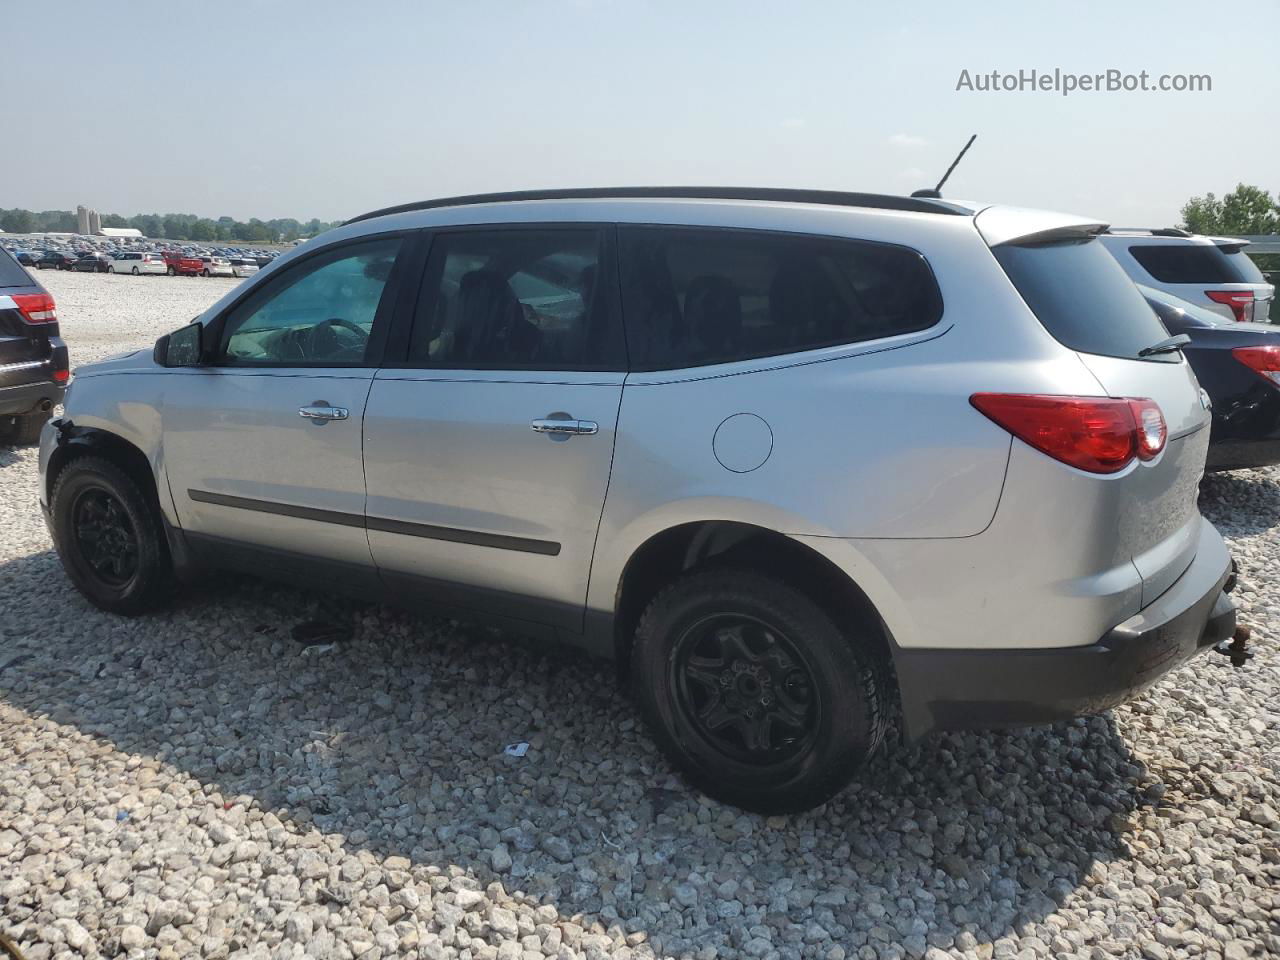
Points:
[[194, 784]]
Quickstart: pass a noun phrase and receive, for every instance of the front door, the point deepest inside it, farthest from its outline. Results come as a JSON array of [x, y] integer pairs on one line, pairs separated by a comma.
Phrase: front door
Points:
[[488, 445], [262, 447]]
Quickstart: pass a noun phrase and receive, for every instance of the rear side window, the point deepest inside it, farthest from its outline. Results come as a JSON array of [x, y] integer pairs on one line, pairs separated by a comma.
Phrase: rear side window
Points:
[[1195, 263], [517, 299], [12, 273], [700, 296], [1083, 297]]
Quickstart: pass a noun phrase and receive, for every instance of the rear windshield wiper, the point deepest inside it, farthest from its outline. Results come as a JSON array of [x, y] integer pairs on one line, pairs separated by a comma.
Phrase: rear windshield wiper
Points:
[[1168, 345]]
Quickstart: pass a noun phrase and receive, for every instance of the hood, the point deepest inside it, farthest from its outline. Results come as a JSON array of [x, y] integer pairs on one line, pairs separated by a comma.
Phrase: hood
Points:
[[136, 362]]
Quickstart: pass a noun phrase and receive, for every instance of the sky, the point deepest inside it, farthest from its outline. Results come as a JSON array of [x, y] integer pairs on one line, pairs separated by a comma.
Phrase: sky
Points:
[[328, 109]]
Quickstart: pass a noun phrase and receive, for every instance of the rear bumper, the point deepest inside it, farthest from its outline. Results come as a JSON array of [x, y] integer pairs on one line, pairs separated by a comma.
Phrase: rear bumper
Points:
[[29, 397], [979, 689]]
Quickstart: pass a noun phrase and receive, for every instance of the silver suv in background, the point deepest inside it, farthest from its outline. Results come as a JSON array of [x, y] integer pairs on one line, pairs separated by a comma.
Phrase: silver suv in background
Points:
[[1211, 272], [796, 460]]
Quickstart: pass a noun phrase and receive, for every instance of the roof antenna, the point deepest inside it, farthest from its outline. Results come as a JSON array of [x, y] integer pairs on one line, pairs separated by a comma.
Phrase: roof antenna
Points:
[[936, 192]]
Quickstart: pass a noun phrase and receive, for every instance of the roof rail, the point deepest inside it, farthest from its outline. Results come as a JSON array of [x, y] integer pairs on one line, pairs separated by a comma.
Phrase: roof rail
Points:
[[1153, 231], [781, 194]]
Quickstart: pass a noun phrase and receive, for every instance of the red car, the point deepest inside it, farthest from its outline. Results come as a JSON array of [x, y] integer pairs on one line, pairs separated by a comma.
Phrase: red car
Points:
[[179, 263]]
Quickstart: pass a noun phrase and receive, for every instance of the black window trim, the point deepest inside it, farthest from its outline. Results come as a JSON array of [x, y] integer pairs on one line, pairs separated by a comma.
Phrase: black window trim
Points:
[[771, 355], [214, 342], [397, 353]]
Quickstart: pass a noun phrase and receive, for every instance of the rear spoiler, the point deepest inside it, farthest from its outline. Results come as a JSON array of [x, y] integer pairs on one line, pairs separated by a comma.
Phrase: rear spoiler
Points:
[[1229, 244], [1001, 225]]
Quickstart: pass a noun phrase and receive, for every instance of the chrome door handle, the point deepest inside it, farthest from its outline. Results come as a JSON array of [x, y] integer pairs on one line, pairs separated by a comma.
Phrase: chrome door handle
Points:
[[321, 412], [566, 428]]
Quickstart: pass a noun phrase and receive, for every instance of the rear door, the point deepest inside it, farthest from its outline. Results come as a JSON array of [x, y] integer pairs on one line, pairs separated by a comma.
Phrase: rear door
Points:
[[1089, 304], [488, 443], [262, 447]]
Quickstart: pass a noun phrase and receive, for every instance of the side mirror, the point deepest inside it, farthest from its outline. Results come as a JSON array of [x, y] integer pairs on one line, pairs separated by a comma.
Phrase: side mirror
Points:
[[180, 348]]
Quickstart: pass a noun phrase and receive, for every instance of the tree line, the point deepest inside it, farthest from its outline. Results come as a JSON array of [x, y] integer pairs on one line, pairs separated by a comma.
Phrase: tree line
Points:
[[168, 226], [1245, 210]]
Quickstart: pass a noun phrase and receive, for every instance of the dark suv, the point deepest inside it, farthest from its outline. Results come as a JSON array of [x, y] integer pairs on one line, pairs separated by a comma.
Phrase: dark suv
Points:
[[33, 359]]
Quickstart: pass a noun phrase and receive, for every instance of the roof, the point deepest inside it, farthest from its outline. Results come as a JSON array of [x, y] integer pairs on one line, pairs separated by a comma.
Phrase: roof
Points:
[[774, 194], [120, 232]]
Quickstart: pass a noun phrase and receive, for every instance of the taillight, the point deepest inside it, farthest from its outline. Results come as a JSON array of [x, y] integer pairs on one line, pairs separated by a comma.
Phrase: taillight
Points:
[[1264, 361], [1240, 302], [1097, 434], [61, 376], [36, 307]]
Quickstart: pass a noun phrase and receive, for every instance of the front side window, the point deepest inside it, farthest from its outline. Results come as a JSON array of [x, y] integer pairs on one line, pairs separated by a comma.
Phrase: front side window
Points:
[[519, 299], [701, 296], [320, 312]]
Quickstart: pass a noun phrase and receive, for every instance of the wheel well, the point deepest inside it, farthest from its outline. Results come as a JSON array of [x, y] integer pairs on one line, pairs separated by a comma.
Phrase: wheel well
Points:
[[78, 442], [678, 550]]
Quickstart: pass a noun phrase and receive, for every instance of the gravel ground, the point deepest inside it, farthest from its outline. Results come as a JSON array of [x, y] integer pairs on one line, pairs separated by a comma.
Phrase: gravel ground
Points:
[[196, 784]]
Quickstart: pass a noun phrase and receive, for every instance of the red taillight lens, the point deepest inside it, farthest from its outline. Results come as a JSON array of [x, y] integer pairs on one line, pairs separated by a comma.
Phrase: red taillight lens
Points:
[[61, 376], [1097, 434], [1240, 302], [36, 307], [1264, 361]]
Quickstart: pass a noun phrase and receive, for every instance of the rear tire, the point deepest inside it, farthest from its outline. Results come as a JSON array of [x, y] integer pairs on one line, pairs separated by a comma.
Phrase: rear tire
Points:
[[22, 430], [109, 538], [171, 271], [754, 692], [135, 271], [111, 269]]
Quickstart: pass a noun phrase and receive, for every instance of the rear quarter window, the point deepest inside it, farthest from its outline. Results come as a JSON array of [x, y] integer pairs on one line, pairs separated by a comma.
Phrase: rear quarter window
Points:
[[1194, 263], [1083, 297], [697, 296]]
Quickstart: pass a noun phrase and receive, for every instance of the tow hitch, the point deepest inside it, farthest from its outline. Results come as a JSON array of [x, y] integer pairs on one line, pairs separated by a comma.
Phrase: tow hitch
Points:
[[1237, 647]]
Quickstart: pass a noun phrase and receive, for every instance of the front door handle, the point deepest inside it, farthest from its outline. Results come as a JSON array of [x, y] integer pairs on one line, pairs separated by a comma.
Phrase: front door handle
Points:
[[563, 429], [321, 412]]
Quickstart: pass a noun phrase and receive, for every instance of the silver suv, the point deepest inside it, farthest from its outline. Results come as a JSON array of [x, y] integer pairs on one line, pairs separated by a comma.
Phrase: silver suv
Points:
[[1211, 272], [801, 462]]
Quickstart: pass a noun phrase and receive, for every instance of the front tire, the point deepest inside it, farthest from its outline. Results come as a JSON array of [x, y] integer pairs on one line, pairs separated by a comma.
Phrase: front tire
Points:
[[109, 538], [135, 271], [754, 692], [171, 271], [111, 269]]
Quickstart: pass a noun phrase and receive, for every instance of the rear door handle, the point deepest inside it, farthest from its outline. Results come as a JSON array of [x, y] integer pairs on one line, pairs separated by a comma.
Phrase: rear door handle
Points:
[[565, 428], [321, 412]]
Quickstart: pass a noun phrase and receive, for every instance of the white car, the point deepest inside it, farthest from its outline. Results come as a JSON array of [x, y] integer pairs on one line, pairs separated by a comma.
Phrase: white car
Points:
[[243, 266], [216, 267], [136, 263], [1211, 272]]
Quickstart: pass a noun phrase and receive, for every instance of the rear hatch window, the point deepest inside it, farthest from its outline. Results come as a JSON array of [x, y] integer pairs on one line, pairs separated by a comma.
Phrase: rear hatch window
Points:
[[1196, 263], [1083, 297], [12, 273]]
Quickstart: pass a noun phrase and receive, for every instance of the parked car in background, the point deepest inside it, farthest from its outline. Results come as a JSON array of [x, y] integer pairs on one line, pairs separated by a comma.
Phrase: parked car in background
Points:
[[1238, 364], [33, 359], [1213, 272], [611, 418], [56, 259], [26, 257], [137, 263], [216, 267], [90, 262], [177, 263], [243, 266]]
